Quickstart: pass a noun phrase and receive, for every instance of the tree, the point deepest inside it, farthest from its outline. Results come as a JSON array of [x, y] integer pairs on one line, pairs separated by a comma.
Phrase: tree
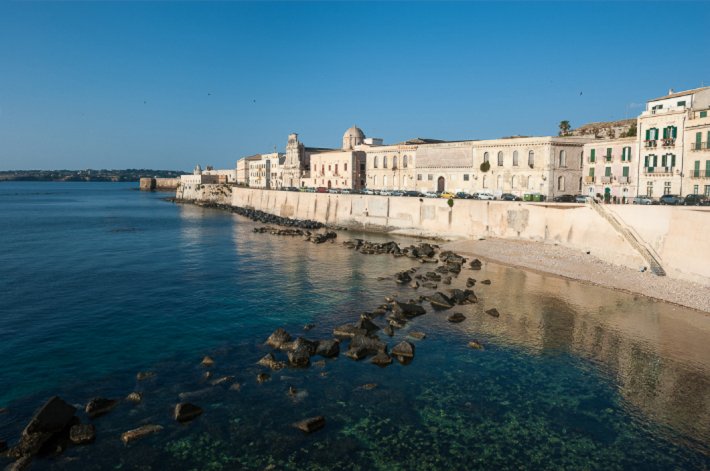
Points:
[[631, 132], [565, 128], [485, 166]]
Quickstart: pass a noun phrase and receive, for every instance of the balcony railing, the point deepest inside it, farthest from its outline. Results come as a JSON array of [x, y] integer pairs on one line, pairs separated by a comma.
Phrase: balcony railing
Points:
[[658, 170], [700, 173], [668, 142], [588, 179], [651, 143], [623, 179], [700, 146], [607, 179]]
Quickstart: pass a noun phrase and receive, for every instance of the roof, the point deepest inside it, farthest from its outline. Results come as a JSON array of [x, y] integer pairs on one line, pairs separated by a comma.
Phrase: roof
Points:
[[684, 93], [421, 140], [314, 150], [354, 131]]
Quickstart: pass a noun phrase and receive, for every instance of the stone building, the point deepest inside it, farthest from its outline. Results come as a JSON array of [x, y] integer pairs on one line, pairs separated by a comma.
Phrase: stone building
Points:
[[696, 174], [266, 171], [662, 146], [296, 167], [391, 167], [341, 169], [611, 169]]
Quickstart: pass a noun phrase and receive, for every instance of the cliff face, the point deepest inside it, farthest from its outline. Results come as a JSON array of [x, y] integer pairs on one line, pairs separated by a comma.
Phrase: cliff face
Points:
[[606, 129]]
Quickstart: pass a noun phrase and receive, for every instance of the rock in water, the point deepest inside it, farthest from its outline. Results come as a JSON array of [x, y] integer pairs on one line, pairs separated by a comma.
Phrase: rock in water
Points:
[[143, 375], [408, 310], [470, 282], [348, 331], [262, 377], [381, 359], [417, 335], [140, 432], [388, 330], [185, 411], [475, 344], [311, 424], [328, 348], [300, 357], [276, 339], [476, 264], [486, 282], [270, 362], [440, 301], [493, 312], [207, 361], [135, 397], [414, 284], [99, 406], [49, 420], [456, 318], [403, 351], [367, 325], [82, 434]]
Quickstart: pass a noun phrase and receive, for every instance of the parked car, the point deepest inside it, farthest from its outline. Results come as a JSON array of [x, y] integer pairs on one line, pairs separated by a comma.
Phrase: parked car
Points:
[[582, 198], [483, 196], [430, 194], [510, 197], [367, 192], [385, 193], [321, 189], [671, 199], [564, 199], [696, 200], [642, 200], [463, 195], [309, 190], [345, 191], [333, 190], [292, 188], [413, 193], [447, 195], [397, 193]]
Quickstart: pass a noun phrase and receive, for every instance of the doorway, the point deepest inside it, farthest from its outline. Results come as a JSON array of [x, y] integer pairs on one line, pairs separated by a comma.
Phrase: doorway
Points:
[[440, 185]]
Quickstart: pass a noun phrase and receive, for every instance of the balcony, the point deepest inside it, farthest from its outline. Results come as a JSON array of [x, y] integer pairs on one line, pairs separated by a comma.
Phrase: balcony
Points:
[[589, 179], [623, 179], [608, 179], [699, 146], [700, 173], [651, 143], [661, 171], [608, 158], [670, 142]]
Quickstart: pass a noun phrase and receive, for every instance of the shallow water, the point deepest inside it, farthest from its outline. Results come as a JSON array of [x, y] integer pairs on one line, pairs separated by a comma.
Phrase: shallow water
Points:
[[101, 281]]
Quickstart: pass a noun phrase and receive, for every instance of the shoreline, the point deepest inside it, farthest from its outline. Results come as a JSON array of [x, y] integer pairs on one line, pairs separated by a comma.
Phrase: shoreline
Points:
[[562, 262], [552, 259]]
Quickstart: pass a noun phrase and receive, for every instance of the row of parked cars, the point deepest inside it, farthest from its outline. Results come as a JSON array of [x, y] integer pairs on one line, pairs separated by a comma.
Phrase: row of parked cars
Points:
[[674, 200]]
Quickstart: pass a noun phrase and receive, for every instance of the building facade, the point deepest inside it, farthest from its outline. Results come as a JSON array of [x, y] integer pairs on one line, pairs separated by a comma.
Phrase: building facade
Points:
[[697, 151], [611, 169]]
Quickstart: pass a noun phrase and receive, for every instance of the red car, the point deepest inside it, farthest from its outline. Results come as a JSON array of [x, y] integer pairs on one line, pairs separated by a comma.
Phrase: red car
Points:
[[321, 189]]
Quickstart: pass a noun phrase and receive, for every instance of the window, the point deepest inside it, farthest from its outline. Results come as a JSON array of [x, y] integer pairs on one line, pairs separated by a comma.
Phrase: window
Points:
[[345, 167], [515, 158], [430, 177], [703, 114], [607, 171], [591, 172], [561, 183], [394, 162], [707, 190], [329, 168], [384, 162], [681, 103], [404, 161], [419, 176], [649, 189], [696, 188], [531, 159], [466, 175], [581, 160], [626, 154], [563, 159], [375, 162], [670, 132], [592, 156], [608, 154], [666, 188], [336, 169], [485, 157], [374, 181], [512, 182], [652, 134], [625, 171], [500, 158], [484, 182]]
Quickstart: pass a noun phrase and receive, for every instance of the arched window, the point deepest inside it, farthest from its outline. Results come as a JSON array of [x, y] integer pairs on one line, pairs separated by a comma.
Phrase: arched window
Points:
[[531, 185], [394, 162], [384, 180], [499, 182], [531, 159], [384, 162], [581, 160], [375, 162], [486, 157], [512, 182], [484, 180], [500, 158], [515, 158], [563, 158], [404, 161], [561, 183]]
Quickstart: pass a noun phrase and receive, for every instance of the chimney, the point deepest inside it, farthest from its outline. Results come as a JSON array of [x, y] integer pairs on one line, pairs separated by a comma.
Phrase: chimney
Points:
[[671, 91]]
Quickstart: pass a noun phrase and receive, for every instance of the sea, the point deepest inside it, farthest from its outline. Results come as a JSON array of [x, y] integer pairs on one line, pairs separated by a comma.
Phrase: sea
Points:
[[100, 281]]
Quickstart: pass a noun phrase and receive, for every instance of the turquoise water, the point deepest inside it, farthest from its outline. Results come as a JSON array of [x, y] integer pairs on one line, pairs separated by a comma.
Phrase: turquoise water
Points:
[[100, 281]]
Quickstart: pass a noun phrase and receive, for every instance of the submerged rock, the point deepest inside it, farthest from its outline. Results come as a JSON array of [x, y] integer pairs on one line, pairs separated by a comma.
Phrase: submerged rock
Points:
[[207, 361], [262, 377], [475, 264], [276, 339], [222, 380], [367, 325], [308, 327], [470, 282], [185, 411], [403, 351], [475, 344], [486, 282], [417, 335], [140, 432], [403, 277], [99, 406], [3, 446], [48, 421], [135, 397], [348, 331], [407, 310], [388, 330], [456, 318], [300, 357], [82, 434], [414, 284], [493, 312], [381, 359], [143, 375], [440, 301], [311, 424]]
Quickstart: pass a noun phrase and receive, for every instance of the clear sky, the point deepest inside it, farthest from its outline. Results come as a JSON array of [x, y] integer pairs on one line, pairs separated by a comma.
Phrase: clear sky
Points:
[[167, 85]]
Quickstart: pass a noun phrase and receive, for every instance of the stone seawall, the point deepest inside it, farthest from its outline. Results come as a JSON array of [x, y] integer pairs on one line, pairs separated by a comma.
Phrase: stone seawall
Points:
[[676, 234], [150, 184]]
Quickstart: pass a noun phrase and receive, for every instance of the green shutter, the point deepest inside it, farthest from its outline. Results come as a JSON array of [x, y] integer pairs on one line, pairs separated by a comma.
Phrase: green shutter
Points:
[[675, 132], [664, 160], [698, 140], [648, 134], [707, 168], [703, 114], [665, 133], [592, 157], [696, 170], [607, 171], [655, 161], [625, 171], [645, 161], [591, 171], [672, 160]]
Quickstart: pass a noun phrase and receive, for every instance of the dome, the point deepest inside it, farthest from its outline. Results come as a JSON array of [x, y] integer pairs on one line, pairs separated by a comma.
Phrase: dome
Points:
[[353, 137], [355, 132]]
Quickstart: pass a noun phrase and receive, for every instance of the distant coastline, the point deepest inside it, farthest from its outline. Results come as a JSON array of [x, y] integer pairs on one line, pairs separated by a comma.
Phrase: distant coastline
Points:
[[88, 175]]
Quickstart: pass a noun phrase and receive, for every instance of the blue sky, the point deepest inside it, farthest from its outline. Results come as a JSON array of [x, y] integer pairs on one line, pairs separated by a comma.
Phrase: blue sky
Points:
[[167, 85]]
